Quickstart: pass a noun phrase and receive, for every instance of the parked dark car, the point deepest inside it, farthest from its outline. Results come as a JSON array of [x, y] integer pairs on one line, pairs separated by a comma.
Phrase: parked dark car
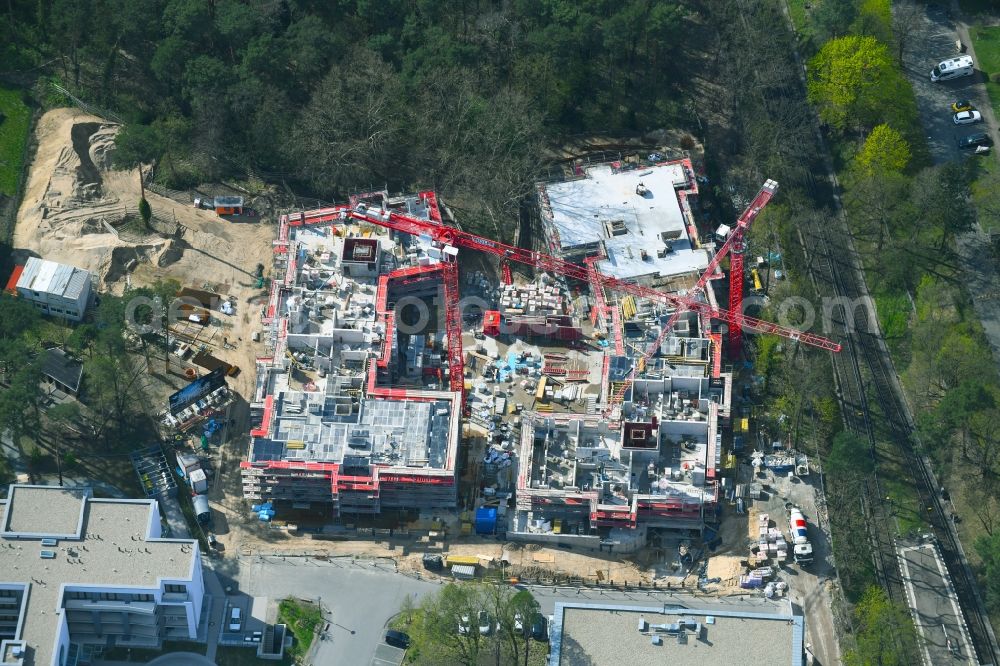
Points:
[[539, 629], [397, 639], [975, 140]]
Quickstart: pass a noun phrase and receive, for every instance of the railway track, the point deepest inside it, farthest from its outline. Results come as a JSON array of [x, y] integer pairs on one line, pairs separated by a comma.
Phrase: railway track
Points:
[[856, 407], [866, 380]]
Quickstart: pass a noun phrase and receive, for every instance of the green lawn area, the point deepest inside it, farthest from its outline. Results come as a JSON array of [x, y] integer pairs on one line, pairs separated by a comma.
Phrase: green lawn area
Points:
[[905, 505], [302, 618], [13, 136], [986, 41], [803, 24], [982, 195], [894, 313]]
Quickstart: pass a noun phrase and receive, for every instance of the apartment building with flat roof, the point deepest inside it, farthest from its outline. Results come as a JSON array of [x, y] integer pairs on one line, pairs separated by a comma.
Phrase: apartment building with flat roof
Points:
[[81, 571]]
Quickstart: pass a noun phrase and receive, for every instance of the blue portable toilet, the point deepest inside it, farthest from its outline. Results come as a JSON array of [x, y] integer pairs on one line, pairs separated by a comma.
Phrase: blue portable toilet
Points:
[[486, 521]]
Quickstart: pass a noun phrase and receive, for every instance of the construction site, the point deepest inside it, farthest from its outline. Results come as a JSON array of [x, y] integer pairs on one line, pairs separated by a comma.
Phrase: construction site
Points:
[[582, 403], [564, 403], [348, 410]]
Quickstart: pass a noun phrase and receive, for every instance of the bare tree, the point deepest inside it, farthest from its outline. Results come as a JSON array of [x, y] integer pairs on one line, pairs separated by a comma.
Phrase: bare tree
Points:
[[907, 16]]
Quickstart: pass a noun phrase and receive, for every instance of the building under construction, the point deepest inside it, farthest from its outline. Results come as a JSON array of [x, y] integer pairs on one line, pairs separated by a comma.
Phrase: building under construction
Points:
[[350, 411], [587, 480], [359, 402], [637, 219], [648, 454]]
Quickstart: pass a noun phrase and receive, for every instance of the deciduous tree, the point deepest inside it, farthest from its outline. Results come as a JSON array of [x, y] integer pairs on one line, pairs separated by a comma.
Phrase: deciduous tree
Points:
[[884, 151], [885, 633], [852, 81]]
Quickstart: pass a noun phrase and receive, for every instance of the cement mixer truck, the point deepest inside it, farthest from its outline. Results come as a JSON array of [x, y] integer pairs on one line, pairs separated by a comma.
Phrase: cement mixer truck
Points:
[[802, 550]]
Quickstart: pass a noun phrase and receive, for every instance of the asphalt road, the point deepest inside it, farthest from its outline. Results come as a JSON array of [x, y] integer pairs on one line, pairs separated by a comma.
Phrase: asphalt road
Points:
[[934, 40], [362, 598], [807, 585], [939, 622]]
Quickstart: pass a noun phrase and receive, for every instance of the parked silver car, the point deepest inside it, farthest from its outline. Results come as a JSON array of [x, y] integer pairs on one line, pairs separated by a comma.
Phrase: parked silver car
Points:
[[968, 117]]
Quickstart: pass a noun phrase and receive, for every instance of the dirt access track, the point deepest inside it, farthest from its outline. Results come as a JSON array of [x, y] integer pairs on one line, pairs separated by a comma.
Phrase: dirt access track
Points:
[[76, 210]]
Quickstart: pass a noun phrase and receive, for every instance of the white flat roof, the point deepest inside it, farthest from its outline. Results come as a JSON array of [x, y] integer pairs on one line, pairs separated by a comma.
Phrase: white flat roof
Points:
[[580, 209], [111, 549], [47, 276]]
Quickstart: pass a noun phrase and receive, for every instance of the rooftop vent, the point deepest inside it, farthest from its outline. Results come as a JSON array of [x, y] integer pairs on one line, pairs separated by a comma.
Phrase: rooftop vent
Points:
[[49, 542], [47, 554]]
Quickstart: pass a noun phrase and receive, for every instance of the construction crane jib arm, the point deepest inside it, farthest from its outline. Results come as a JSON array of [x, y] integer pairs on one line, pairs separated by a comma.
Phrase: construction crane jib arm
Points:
[[737, 235], [463, 239]]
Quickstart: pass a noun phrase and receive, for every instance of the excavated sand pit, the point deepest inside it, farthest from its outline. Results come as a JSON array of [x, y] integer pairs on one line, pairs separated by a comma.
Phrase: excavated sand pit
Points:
[[74, 203]]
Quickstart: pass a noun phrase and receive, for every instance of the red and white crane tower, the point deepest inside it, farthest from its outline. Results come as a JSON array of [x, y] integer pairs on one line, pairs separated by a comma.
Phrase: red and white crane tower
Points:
[[734, 246]]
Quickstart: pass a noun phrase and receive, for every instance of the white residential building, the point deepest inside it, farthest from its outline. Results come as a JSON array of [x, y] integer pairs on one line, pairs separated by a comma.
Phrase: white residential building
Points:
[[82, 571], [55, 289]]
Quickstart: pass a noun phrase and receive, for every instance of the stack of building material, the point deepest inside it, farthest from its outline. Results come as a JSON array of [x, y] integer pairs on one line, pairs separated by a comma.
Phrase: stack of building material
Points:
[[770, 541], [755, 579], [532, 299]]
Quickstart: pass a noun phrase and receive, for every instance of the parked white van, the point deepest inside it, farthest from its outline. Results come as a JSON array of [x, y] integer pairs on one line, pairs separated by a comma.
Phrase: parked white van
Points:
[[953, 68]]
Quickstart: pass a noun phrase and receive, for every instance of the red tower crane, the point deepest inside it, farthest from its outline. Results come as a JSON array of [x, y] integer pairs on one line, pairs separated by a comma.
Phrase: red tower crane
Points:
[[464, 239], [505, 273], [734, 245]]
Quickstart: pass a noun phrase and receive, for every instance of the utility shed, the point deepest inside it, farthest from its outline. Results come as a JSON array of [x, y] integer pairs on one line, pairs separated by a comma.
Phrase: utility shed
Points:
[[228, 205], [55, 289], [63, 371]]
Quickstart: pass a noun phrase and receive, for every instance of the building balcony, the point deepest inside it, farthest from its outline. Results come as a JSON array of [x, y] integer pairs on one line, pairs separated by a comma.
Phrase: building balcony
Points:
[[140, 607], [175, 633], [175, 597]]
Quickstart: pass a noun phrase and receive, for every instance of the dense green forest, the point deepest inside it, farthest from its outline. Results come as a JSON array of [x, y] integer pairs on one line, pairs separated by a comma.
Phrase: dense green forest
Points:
[[336, 96]]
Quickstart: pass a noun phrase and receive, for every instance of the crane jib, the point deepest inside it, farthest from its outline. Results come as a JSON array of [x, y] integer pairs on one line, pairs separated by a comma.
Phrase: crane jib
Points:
[[442, 233]]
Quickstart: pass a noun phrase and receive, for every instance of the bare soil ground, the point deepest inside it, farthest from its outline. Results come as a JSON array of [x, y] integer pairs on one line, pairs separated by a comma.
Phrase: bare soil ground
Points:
[[79, 210]]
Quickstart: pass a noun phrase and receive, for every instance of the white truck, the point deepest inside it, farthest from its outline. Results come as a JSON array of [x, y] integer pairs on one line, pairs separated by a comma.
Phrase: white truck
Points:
[[952, 68], [802, 550]]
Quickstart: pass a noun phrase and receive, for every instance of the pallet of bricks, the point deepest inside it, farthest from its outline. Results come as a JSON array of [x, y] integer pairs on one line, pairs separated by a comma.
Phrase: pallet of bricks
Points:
[[756, 578], [770, 544]]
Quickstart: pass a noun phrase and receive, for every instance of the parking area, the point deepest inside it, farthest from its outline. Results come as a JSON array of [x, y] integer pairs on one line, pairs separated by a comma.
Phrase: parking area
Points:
[[386, 655], [933, 40], [243, 621], [361, 599]]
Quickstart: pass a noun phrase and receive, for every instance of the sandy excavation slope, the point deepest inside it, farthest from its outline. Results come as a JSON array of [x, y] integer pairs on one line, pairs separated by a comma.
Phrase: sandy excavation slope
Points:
[[72, 193]]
